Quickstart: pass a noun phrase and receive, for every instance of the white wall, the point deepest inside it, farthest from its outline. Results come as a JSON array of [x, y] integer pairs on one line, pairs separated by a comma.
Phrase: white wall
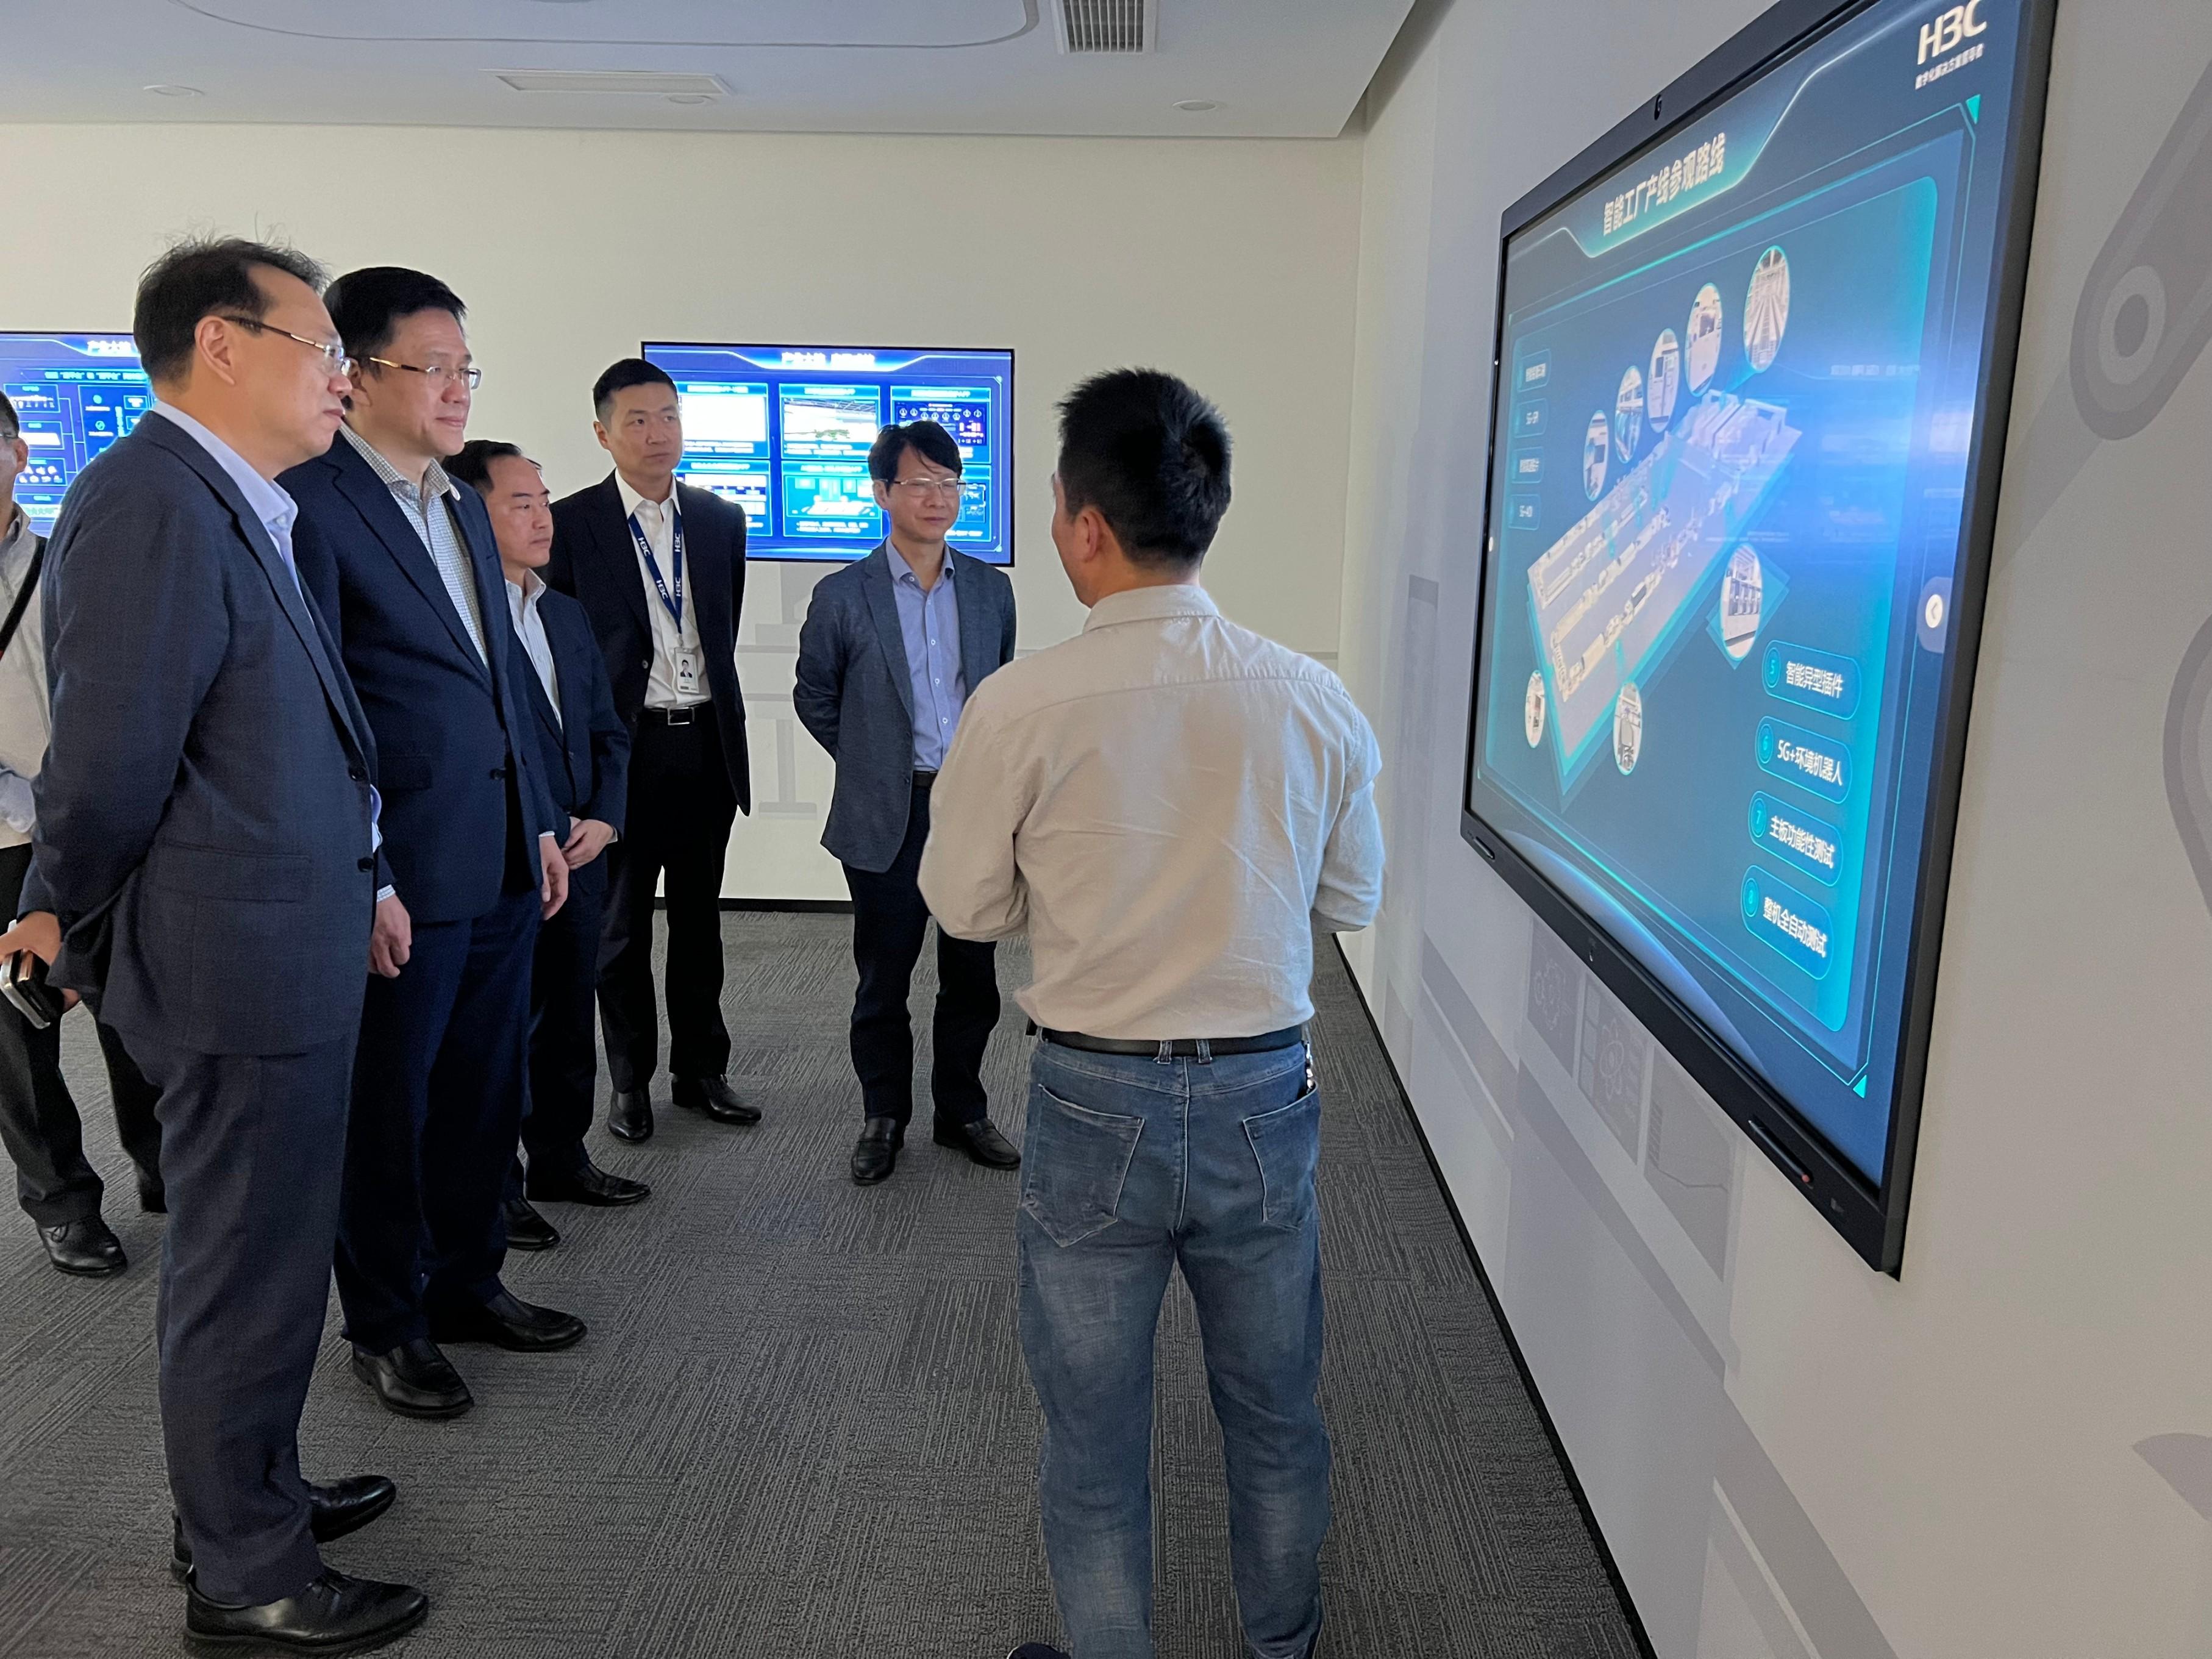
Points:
[[2007, 1454], [1231, 263]]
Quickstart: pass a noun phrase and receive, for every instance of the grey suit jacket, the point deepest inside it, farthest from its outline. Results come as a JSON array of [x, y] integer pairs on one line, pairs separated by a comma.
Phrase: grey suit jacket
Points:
[[203, 812], [855, 694]]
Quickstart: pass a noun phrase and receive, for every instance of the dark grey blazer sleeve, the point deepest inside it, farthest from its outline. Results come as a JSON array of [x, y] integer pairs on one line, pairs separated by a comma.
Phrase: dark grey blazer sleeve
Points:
[[820, 686]]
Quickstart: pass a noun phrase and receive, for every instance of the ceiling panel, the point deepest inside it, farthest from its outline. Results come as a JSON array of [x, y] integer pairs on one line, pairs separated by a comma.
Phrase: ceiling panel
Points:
[[1218, 68]]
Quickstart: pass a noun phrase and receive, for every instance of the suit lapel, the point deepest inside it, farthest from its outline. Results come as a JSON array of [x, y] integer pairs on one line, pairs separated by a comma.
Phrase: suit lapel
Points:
[[979, 628], [371, 498], [618, 548], [883, 605], [290, 598]]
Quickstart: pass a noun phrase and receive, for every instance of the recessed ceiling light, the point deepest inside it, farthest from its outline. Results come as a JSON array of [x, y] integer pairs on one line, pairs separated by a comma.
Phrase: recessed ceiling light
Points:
[[1197, 106], [683, 97], [165, 91]]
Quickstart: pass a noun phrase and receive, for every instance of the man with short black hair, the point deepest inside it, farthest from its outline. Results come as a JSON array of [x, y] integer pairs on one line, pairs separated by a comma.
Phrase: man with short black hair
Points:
[[660, 569], [892, 649], [584, 749], [406, 569], [1169, 805], [205, 871], [55, 1183]]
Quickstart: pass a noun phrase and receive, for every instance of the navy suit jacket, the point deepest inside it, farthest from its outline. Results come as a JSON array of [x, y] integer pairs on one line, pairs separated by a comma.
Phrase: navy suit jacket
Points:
[[595, 559], [204, 810], [585, 750], [855, 696], [457, 761]]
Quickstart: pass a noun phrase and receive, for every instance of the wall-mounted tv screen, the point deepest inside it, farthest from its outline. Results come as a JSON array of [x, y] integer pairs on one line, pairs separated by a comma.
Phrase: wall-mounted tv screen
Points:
[[784, 432], [74, 394], [1753, 362]]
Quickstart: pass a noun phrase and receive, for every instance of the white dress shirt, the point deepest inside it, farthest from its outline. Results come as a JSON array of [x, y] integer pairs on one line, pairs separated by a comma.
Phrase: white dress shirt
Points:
[[522, 599], [1168, 803], [658, 520], [430, 512]]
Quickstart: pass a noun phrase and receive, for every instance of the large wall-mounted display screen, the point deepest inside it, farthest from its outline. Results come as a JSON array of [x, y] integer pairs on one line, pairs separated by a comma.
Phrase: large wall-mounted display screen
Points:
[[74, 394], [1753, 371], [784, 432]]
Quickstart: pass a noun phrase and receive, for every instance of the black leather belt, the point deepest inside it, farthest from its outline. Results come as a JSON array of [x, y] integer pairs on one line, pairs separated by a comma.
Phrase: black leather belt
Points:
[[691, 716], [1179, 1047], [924, 780]]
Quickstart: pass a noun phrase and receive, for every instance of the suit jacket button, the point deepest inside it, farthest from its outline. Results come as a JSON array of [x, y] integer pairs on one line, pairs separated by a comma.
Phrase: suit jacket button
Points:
[[368, 863], [356, 773]]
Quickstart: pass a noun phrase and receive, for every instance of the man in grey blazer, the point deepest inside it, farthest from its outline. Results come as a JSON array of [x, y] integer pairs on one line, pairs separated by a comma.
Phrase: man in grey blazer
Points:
[[203, 870], [892, 648]]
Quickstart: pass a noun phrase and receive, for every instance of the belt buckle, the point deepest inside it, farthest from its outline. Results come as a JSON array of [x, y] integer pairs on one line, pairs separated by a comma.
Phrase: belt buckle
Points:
[[678, 716]]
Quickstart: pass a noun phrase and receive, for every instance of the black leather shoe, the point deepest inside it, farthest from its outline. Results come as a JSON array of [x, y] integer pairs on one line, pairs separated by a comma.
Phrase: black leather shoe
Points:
[[84, 1247], [714, 1096], [1035, 1650], [877, 1154], [507, 1321], [153, 1200], [981, 1140], [334, 1510], [335, 1614], [630, 1115], [413, 1379], [588, 1184], [526, 1229]]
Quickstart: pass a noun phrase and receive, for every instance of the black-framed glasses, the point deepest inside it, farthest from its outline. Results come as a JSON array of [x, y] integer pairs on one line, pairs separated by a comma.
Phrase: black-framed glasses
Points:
[[334, 357], [437, 374]]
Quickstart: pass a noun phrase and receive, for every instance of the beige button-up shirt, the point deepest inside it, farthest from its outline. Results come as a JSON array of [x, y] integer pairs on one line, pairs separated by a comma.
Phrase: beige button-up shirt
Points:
[[1168, 803]]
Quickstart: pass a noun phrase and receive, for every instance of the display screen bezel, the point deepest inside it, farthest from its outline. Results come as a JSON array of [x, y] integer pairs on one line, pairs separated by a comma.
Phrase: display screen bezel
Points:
[[1871, 1215]]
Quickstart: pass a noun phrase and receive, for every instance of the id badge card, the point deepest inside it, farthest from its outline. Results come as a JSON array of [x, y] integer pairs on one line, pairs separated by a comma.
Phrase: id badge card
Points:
[[689, 674]]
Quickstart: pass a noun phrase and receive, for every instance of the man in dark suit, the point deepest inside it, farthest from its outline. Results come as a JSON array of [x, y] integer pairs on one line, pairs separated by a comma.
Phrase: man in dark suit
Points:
[[660, 569], [402, 565], [205, 871], [584, 748], [890, 650], [55, 1182]]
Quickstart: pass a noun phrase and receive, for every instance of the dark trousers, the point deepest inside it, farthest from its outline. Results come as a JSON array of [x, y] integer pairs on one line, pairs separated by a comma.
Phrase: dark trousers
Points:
[[254, 1146], [39, 1121], [681, 808], [564, 1063], [889, 922], [437, 1102]]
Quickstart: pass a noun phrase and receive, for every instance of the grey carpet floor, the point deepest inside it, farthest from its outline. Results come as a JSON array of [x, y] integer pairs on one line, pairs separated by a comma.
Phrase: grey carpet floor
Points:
[[799, 1425]]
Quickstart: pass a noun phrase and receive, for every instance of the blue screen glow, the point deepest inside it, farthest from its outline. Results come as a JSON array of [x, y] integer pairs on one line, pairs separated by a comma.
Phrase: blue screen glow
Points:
[[75, 395]]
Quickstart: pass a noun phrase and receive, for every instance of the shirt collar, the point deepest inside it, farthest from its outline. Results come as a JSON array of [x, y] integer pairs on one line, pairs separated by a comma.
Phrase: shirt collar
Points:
[[275, 509], [631, 501], [902, 571], [525, 593], [435, 480], [1151, 605], [18, 527]]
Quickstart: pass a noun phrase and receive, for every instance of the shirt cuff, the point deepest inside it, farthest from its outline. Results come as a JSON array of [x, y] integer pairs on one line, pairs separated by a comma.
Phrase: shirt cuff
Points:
[[19, 805], [383, 893]]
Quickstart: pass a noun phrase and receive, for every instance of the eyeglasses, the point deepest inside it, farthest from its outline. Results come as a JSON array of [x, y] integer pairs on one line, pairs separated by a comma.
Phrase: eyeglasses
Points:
[[437, 374], [921, 487], [334, 357]]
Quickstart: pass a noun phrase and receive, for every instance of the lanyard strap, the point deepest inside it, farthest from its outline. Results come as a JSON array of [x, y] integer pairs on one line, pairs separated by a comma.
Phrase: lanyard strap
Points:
[[673, 602]]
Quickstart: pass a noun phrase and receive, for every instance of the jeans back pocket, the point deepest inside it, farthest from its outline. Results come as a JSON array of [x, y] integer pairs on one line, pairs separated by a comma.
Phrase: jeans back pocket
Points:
[[1286, 1144], [1076, 1164]]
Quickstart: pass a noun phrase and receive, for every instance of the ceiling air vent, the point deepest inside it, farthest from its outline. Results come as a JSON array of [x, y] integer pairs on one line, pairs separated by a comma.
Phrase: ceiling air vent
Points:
[[1107, 25], [637, 82]]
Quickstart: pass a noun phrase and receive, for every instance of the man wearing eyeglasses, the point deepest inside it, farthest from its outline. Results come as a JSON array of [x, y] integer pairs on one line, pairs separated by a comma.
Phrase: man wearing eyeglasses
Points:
[[406, 569], [892, 649], [203, 869], [55, 1183]]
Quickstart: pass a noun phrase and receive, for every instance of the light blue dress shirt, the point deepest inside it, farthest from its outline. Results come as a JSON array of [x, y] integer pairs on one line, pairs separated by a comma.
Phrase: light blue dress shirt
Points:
[[930, 624]]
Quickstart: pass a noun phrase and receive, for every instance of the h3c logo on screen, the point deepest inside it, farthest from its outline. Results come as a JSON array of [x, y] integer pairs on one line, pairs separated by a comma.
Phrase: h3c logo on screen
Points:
[[1959, 23]]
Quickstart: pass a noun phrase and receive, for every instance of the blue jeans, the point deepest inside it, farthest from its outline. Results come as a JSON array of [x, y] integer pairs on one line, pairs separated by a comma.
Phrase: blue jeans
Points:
[[1134, 1165]]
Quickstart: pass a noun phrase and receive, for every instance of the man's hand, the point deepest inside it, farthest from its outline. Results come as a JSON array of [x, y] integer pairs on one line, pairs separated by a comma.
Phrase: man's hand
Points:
[[40, 933], [553, 891], [587, 839], [391, 939]]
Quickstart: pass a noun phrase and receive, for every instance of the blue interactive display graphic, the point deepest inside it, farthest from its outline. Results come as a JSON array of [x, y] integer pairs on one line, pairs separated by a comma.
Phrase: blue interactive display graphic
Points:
[[75, 395], [1740, 387], [784, 431]]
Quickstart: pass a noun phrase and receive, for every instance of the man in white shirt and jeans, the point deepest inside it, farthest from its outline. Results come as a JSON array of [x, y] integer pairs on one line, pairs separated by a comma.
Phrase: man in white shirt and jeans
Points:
[[1169, 805]]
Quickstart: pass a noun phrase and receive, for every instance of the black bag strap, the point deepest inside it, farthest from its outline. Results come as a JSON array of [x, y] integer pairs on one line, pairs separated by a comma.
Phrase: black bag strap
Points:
[[23, 599]]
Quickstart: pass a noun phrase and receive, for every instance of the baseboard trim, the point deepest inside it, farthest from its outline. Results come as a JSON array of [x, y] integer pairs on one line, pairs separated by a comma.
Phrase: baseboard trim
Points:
[[1642, 1637]]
